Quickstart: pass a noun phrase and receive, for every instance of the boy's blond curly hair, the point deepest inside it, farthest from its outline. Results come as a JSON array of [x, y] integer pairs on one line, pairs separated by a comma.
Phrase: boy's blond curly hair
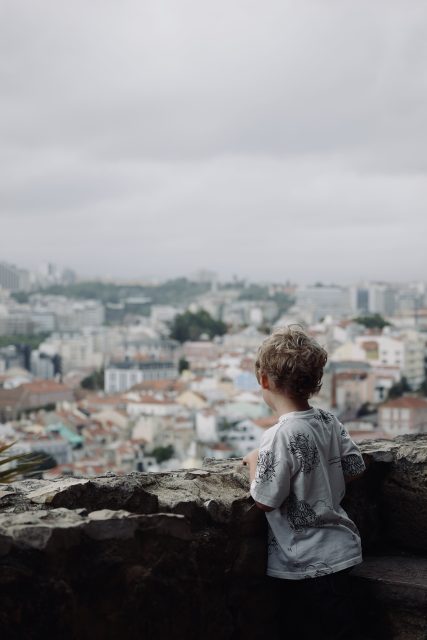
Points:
[[293, 361]]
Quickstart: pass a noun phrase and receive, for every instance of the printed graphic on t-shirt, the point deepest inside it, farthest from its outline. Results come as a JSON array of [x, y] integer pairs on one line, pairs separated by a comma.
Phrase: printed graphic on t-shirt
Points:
[[301, 446], [266, 466], [300, 514], [272, 545], [352, 465], [327, 417]]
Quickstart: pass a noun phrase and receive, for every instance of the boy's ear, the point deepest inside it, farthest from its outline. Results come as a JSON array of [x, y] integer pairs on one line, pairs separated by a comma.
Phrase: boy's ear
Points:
[[265, 383]]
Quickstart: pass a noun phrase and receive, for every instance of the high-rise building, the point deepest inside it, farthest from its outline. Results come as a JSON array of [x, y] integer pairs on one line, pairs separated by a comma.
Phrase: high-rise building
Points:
[[324, 301], [14, 279], [382, 299]]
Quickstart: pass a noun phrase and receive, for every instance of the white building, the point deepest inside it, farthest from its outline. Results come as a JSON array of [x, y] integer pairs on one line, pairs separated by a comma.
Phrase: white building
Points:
[[243, 437], [404, 415], [381, 298], [14, 279], [207, 426], [76, 350], [405, 351], [122, 376], [42, 365], [323, 301]]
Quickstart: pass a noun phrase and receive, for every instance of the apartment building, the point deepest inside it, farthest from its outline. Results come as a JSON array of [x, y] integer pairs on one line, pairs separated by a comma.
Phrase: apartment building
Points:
[[403, 415], [121, 376]]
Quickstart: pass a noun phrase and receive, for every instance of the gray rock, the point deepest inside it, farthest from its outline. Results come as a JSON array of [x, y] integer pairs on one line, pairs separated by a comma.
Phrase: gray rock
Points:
[[107, 557]]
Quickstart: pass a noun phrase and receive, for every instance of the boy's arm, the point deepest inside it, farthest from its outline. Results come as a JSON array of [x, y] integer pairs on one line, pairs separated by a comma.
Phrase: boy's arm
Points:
[[353, 467], [250, 460], [352, 462]]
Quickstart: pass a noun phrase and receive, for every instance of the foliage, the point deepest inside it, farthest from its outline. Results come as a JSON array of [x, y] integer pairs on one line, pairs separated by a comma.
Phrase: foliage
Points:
[[423, 388], [283, 301], [32, 341], [256, 292], [225, 425], [176, 291], [365, 409], [398, 389], [50, 406], [26, 463], [190, 326], [374, 321], [163, 453], [95, 381], [183, 365], [20, 296]]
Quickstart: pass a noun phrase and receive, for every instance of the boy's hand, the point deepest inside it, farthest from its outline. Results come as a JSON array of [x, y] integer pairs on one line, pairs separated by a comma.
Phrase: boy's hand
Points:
[[250, 460]]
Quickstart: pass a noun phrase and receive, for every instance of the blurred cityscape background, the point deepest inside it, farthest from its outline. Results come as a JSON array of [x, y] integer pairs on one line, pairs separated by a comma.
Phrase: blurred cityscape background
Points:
[[101, 376], [191, 175]]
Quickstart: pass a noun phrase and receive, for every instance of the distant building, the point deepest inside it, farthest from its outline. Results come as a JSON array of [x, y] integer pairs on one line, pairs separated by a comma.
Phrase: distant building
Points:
[[405, 351], [200, 354], [353, 384], [247, 339], [243, 437], [403, 415], [207, 425], [43, 365], [51, 444], [359, 298], [324, 301], [16, 322], [14, 279], [121, 376], [382, 299], [42, 392]]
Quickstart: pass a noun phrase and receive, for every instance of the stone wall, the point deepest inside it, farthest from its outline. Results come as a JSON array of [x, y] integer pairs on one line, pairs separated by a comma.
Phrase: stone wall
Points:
[[182, 554]]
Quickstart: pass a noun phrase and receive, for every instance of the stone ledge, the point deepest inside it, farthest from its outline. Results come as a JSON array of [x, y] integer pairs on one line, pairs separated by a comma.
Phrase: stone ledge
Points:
[[394, 595], [100, 557]]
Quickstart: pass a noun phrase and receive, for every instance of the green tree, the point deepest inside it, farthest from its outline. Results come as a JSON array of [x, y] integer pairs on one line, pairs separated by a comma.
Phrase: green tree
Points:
[[398, 389], [95, 381], [32, 341], [183, 365], [254, 292], [423, 388], [375, 321], [176, 291], [163, 453], [191, 326]]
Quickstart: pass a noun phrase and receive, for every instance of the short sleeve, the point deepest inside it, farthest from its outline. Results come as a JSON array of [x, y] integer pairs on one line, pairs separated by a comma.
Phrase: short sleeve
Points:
[[273, 473], [351, 459]]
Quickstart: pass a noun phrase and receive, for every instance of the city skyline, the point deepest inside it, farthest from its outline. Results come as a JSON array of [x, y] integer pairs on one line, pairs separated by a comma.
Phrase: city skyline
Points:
[[282, 141], [202, 273]]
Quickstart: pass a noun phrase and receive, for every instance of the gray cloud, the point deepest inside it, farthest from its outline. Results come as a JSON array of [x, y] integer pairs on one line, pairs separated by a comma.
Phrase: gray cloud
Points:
[[273, 140]]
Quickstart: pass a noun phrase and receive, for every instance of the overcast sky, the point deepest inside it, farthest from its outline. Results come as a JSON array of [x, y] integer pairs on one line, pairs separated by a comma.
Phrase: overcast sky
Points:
[[272, 140]]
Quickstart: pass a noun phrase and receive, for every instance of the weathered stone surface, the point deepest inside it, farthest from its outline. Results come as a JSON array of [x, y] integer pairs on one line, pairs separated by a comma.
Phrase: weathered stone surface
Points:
[[183, 554], [395, 593], [397, 484]]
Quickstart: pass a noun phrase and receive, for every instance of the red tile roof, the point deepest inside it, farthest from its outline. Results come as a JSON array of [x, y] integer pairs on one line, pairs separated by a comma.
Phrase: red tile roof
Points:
[[406, 402], [45, 386]]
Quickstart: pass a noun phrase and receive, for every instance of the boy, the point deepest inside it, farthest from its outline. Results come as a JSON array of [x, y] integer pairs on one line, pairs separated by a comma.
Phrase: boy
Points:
[[298, 478]]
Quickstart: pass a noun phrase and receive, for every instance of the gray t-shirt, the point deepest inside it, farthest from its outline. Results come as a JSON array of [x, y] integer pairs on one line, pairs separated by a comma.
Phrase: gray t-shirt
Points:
[[300, 473]]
